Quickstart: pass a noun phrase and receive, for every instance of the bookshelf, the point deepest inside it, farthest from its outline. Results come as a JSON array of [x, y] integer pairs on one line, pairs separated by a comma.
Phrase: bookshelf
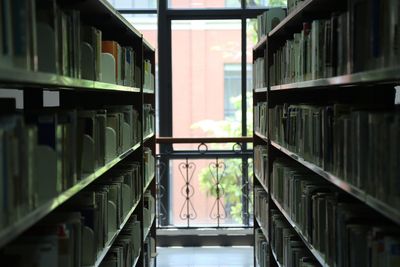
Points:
[[330, 87], [79, 169]]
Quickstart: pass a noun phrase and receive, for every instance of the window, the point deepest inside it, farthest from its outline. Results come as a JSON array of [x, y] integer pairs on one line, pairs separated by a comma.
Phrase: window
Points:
[[233, 88], [134, 4], [200, 51]]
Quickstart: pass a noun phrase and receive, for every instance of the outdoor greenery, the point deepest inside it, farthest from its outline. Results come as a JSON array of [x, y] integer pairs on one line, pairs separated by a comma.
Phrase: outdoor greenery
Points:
[[256, 3]]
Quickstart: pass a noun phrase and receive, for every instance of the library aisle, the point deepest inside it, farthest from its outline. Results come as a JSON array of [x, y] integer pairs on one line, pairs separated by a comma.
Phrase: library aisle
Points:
[[205, 257]]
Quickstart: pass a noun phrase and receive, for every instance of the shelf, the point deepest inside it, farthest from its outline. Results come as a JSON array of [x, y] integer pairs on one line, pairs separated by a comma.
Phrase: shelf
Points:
[[147, 137], [310, 247], [265, 232], [261, 182], [17, 78], [147, 231], [115, 87], [149, 182], [276, 258], [371, 77], [383, 208], [291, 18], [119, 17], [263, 137], [148, 91], [262, 42], [137, 259], [257, 264], [10, 232], [261, 90], [101, 255], [148, 45]]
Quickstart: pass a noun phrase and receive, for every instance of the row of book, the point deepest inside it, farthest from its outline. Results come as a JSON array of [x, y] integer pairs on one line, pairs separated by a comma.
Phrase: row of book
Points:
[[345, 43], [149, 81], [149, 211], [261, 205], [125, 250], [78, 232], [39, 35], [149, 253], [345, 232], [261, 249], [43, 153], [149, 165], [148, 120], [261, 164], [260, 118], [346, 141], [269, 20], [259, 80], [288, 247]]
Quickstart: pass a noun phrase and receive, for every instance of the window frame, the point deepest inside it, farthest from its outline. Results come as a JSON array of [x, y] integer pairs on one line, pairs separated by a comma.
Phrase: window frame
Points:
[[164, 97]]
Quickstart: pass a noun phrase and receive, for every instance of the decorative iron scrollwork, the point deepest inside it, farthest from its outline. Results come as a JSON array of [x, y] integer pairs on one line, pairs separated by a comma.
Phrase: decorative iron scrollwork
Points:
[[217, 170], [160, 191], [187, 212]]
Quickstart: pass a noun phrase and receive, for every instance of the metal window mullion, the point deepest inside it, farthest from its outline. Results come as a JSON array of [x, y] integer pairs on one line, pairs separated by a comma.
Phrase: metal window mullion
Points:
[[165, 94], [244, 79], [131, 11]]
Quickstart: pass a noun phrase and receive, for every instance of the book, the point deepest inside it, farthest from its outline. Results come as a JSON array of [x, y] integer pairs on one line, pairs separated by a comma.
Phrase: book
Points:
[[48, 29], [92, 36], [20, 10], [267, 21], [114, 49]]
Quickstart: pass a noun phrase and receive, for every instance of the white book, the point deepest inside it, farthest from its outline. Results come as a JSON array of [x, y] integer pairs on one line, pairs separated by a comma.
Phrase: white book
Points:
[[273, 17], [314, 49]]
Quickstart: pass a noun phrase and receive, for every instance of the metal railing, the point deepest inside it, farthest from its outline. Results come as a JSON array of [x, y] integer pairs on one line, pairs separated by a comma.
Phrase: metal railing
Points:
[[207, 183]]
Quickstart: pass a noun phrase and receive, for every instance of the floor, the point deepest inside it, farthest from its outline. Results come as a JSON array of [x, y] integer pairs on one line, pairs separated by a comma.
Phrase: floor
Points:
[[205, 257]]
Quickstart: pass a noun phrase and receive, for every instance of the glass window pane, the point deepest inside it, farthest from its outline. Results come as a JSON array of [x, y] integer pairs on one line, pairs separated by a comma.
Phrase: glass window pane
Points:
[[251, 34], [206, 69], [204, 3], [265, 3], [138, 4]]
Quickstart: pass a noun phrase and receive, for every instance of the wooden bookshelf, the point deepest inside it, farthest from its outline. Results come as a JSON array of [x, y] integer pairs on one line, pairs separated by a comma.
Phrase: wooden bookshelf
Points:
[[11, 232], [369, 89], [82, 96], [261, 136], [261, 90]]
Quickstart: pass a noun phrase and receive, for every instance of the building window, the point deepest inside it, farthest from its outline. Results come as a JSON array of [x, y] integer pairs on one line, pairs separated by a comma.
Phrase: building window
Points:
[[233, 89]]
